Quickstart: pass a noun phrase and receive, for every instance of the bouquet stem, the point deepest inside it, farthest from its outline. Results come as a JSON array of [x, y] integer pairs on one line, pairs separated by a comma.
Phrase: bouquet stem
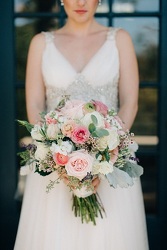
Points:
[[88, 208]]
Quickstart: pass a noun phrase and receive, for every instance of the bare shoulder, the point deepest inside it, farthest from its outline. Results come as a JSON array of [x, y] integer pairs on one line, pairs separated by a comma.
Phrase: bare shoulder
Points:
[[38, 42], [123, 38]]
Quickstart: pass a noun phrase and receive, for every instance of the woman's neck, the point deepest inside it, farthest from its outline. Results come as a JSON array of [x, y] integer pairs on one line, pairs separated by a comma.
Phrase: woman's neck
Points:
[[81, 29]]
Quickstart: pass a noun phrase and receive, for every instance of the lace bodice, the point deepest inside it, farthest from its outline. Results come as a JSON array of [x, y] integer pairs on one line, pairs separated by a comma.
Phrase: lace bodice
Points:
[[98, 80]]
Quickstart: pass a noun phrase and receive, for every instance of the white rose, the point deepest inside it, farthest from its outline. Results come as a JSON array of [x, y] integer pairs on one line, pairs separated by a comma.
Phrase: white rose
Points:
[[52, 131], [41, 151], [87, 120], [112, 139], [35, 132], [102, 167]]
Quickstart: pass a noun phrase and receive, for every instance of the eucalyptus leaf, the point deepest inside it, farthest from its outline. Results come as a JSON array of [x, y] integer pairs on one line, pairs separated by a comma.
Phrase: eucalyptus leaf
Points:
[[94, 119], [92, 128], [133, 169], [119, 178], [101, 132]]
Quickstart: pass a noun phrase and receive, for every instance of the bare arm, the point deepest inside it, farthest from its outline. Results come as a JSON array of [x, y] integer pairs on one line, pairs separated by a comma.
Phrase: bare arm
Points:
[[129, 79], [35, 90]]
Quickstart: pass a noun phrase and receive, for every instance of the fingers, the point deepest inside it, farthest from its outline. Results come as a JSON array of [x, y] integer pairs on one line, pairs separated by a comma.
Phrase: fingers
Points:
[[64, 177], [96, 183]]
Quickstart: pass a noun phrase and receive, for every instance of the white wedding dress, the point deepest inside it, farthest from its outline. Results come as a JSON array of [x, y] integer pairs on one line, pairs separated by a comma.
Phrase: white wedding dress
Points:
[[47, 221]]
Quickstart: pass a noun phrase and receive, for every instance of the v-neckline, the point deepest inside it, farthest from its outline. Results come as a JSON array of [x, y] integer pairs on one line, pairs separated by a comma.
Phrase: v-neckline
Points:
[[89, 61]]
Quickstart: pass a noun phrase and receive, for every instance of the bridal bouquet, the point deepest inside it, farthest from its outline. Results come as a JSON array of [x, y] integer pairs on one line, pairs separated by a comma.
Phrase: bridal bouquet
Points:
[[81, 141]]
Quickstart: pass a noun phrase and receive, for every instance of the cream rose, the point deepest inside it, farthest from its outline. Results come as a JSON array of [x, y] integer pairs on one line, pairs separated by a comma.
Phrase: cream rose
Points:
[[35, 132], [52, 131], [41, 151], [111, 140], [102, 167]]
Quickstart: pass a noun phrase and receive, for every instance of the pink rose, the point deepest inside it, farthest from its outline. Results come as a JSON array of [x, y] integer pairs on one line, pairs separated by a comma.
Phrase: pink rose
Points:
[[80, 135], [79, 164], [60, 159], [101, 107], [73, 109], [68, 128], [50, 119], [114, 155], [107, 124]]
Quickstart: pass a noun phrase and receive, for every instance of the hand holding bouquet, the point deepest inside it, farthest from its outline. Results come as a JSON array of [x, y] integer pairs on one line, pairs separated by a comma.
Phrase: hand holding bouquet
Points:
[[81, 141]]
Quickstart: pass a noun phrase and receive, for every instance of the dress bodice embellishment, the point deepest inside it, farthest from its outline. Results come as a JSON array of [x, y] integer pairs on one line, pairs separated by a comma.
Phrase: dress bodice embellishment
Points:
[[98, 80]]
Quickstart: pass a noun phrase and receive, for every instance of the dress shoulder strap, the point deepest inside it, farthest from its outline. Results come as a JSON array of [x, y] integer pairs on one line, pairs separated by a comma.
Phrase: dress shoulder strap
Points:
[[49, 37], [112, 33]]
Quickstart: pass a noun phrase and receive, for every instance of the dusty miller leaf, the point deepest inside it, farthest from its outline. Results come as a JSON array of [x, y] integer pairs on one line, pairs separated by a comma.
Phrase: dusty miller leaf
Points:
[[119, 178], [134, 170]]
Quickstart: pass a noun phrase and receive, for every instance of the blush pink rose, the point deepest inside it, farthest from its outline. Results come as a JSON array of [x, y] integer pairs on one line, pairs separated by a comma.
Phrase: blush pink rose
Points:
[[101, 107], [80, 135], [60, 159], [114, 155], [68, 128], [107, 124], [49, 119], [79, 164], [73, 109]]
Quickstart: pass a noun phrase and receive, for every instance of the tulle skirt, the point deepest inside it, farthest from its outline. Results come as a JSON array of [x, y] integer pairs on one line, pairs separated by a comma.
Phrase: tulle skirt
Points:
[[47, 221]]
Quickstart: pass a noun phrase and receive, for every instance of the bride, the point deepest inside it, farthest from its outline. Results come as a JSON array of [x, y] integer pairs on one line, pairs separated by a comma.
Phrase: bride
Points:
[[87, 61]]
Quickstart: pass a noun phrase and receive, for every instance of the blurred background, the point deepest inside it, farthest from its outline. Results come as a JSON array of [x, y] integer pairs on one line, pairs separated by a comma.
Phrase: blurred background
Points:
[[146, 21]]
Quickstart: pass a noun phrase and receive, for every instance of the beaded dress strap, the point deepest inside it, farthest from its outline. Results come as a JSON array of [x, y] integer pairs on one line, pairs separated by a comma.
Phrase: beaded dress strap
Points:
[[112, 31], [49, 36]]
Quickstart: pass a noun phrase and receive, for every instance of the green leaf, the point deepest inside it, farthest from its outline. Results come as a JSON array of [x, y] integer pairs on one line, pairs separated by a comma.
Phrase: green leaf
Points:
[[42, 131], [100, 133], [91, 128], [107, 155], [26, 124], [94, 120]]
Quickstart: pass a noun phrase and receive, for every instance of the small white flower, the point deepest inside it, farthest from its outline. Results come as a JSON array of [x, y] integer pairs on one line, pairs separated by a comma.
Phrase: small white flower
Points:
[[64, 147]]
